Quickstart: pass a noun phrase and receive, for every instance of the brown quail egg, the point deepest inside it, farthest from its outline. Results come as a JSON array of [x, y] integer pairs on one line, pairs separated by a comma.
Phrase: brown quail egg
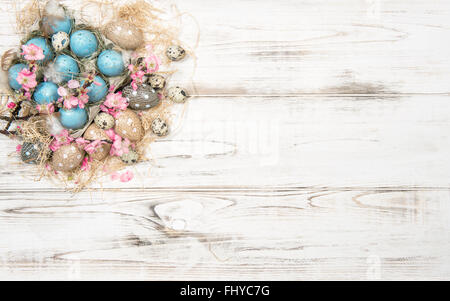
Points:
[[176, 94], [160, 127], [175, 53], [105, 121], [157, 81], [130, 158]]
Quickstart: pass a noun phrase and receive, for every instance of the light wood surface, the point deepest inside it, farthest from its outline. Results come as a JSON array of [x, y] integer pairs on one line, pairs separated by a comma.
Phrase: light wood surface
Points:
[[316, 147]]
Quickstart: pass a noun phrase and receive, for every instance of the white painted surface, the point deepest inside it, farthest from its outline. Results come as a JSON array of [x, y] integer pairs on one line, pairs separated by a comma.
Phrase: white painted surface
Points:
[[317, 148]]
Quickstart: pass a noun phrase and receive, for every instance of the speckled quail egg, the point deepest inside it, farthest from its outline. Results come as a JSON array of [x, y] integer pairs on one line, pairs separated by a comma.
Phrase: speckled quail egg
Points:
[[130, 158], [160, 127], [105, 121], [175, 53], [60, 41], [176, 94], [157, 81]]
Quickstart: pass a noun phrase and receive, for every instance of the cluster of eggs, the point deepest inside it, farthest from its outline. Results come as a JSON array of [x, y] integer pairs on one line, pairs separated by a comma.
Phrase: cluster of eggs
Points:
[[85, 44]]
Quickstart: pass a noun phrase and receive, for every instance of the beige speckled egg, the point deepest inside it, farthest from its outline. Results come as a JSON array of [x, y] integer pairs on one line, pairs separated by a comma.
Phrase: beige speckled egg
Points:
[[157, 81], [67, 158], [104, 121], [93, 133], [176, 94], [101, 153], [129, 125], [160, 127], [124, 34], [175, 53], [130, 158]]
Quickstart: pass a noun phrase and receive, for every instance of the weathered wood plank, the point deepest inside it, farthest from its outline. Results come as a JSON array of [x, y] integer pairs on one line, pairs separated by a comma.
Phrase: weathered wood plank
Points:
[[295, 47], [290, 142], [268, 235]]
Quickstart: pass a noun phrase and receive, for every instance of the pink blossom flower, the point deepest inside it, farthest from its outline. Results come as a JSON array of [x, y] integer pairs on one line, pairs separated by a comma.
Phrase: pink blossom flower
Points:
[[51, 108], [46, 109], [152, 63], [93, 146], [116, 101], [62, 92], [115, 176], [61, 139], [19, 148], [83, 99], [73, 84], [126, 177], [85, 166], [71, 102], [27, 79], [82, 142], [120, 146], [11, 105], [32, 52], [28, 95]]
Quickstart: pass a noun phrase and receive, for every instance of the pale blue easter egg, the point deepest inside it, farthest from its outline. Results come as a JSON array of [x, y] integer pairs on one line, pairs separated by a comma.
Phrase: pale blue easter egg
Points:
[[57, 25], [110, 63], [67, 67], [83, 43], [45, 93], [13, 72], [97, 92], [74, 119], [42, 43]]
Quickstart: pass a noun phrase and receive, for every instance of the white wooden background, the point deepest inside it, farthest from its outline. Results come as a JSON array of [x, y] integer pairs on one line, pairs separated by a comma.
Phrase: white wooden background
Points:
[[317, 148]]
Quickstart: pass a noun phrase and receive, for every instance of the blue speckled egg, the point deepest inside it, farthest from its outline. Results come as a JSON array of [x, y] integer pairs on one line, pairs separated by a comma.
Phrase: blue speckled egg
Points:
[[110, 63], [46, 92], [42, 43], [51, 26], [74, 119], [67, 67], [96, 92], [13, 72], [83, 43]]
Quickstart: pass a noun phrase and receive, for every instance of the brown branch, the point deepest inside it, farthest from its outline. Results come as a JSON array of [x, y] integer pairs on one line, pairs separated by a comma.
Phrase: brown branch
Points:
[[8, 133]]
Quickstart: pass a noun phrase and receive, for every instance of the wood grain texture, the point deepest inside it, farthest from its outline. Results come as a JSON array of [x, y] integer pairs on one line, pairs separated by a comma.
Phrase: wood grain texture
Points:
[[315, 148]]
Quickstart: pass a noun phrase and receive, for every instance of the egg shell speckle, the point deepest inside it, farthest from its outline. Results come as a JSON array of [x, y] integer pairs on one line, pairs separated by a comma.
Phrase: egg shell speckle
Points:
[[45, 93], [67, 158], [175, 53], [67, 67], [160, 127], [130, 158], [50, 25], [124, 34], [176, 94], [157, 81], [93, 133], [73, 119], [110, 63], [83, 43], [60, 41], [129, 125], [105, 121]]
